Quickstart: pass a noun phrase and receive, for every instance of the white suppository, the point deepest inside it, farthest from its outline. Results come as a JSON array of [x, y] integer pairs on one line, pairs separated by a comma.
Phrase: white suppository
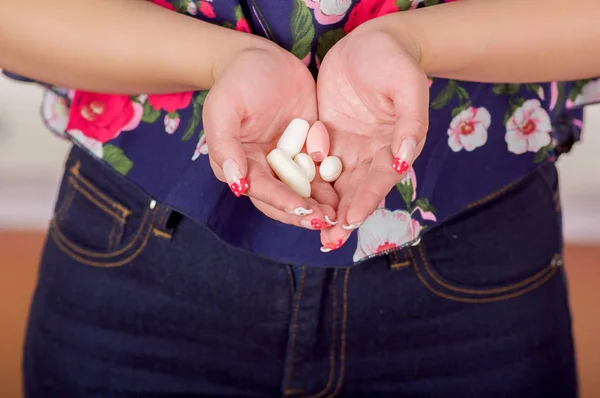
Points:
[[289, 172], [307, 165], [330, 168], [293, 138]]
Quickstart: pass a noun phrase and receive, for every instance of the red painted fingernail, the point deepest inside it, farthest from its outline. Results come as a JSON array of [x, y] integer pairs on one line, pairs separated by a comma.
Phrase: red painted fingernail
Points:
[[316, 223], [400, 165], [239, 187], [332, 246]]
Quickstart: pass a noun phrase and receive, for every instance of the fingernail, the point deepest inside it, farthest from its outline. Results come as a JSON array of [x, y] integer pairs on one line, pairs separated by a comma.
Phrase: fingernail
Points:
[[237, 183], [315, 223], [328, 220], [332, 246], [300, 211], [406, 155], [352, 226]]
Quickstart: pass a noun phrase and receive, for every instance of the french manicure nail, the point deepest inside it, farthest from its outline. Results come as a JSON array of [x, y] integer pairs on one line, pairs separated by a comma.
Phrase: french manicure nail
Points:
[[328, 220], [237, 183], [300, 211], [332, 246], [352, 226], [406, 155]]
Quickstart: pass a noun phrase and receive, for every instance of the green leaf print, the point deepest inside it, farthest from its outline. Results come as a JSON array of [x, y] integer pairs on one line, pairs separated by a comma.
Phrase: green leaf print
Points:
[[534, 88], [239, 14], [577, 88], [328, 40], [424, 204], [445, 95], [506, 89], [513, 105], [460, 108], [195, 119], [150, 115], [115, 157], [406, 192], [228, 25], [403, 5], [560, 101], [180, 6], [431, 2], [303, 30], [201, 97]]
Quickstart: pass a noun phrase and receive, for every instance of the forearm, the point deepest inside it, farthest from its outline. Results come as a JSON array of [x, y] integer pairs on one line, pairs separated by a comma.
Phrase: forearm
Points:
[[116, 46], [505, 40]]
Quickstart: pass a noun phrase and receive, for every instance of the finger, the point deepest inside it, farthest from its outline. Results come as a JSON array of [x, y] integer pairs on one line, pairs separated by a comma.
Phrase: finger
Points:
[[412, 121], [217, 171], [373, 188], [313, 221], [222, 119], [324, 194], [268, 189]]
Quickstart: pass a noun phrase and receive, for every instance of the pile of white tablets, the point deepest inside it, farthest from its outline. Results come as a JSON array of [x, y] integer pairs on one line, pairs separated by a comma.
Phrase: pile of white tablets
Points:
[[296, 168]]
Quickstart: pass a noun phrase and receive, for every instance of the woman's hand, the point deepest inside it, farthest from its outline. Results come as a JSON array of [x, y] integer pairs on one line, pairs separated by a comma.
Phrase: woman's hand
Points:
[[255, 96], [373, 97]]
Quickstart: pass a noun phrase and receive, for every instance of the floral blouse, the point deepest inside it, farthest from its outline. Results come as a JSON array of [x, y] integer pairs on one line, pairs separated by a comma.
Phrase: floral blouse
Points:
[[481, 138]]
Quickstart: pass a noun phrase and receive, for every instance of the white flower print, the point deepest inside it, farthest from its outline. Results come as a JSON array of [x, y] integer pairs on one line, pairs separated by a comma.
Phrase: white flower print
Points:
[[328, 12], [55, 112], [528, 129], [171, 122], [589, 93], [94, 146], [469, 129], [201, 148], [385, 230]]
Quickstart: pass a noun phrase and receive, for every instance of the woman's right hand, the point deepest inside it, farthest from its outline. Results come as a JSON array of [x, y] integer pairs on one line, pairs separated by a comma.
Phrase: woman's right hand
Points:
[[256, 93]]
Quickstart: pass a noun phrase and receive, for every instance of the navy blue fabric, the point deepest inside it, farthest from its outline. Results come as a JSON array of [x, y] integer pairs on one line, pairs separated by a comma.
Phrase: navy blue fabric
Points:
[[135, 300]]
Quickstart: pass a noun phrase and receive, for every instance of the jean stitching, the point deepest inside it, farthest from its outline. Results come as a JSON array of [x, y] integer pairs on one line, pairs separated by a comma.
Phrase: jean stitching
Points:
[[66, 205], [333, 337], [338, 387], [82, 260], [398, 266], [552, 271], [75, 172], [293, 332], [76, 248], [158, 233], [95, 201], [110, 237], [481, 291]]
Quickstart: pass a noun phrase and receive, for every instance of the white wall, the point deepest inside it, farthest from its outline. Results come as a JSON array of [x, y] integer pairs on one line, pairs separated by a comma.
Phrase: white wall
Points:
[[31, 161]]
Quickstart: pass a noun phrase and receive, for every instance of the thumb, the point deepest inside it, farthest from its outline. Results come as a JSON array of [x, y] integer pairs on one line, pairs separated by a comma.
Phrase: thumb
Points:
[[410, 130], [222, 121]]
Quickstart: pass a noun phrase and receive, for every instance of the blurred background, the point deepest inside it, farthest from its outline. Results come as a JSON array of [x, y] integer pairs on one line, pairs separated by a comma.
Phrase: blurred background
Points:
[[31, 165]]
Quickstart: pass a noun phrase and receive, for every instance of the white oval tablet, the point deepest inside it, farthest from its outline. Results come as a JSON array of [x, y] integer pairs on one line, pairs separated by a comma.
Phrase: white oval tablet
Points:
[[331, 168], [288, 172], [293, 138], [307, 165]]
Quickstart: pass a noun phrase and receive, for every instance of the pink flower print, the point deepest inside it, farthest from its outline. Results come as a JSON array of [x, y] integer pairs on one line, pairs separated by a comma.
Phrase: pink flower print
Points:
[[55, 112], [242, 25], [91, 144], [328, 12], [207, 9], [385, 230], [469, 129], [528, 129], [192, 9], [171, 122], [201, 148]]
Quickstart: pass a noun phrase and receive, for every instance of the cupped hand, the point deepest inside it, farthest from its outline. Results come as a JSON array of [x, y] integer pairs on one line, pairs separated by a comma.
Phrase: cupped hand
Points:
[[255, 96], [373, 97]]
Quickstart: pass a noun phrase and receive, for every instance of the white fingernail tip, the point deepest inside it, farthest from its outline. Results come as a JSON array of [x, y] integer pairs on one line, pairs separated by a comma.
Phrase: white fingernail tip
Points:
[[300, 211], [352, 226], [328, 220], [289, 172], [330, 169], [307, 165], [293, 138]]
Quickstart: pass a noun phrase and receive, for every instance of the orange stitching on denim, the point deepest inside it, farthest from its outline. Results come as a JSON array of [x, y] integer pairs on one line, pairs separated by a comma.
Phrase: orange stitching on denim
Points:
[[75, 171], [291, 279], [66, 204], [76, 248], [294, 325], [157, 232], [95, 201], [338, 387], [551, 273], [332, 347], [494, 194], [291, 391], [482, 291], [556, 198], [82, 260], [397, 266], [110, 237]]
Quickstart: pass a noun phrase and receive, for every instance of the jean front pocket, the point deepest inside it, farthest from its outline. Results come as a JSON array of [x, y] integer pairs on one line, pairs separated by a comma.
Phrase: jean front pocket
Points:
[[502, 248], [93, 228]]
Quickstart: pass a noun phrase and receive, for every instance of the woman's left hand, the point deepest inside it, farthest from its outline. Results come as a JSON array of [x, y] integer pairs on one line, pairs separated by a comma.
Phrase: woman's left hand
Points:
[[373, 97]]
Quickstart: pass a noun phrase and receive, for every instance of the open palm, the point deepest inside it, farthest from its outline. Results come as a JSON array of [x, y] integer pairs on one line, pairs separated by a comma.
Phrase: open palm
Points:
[[373, 98]]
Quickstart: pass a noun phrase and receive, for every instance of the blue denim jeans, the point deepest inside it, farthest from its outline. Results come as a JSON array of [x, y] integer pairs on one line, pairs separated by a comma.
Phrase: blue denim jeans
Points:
[[136, 300]]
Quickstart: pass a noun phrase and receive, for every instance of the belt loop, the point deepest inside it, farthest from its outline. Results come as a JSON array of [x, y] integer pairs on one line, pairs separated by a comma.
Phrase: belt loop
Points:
[[162, 227], [399, 259]]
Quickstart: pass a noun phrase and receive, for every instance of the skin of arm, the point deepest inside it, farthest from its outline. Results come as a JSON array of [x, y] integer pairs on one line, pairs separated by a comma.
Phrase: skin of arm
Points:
[[515, 41], [115, 46]]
